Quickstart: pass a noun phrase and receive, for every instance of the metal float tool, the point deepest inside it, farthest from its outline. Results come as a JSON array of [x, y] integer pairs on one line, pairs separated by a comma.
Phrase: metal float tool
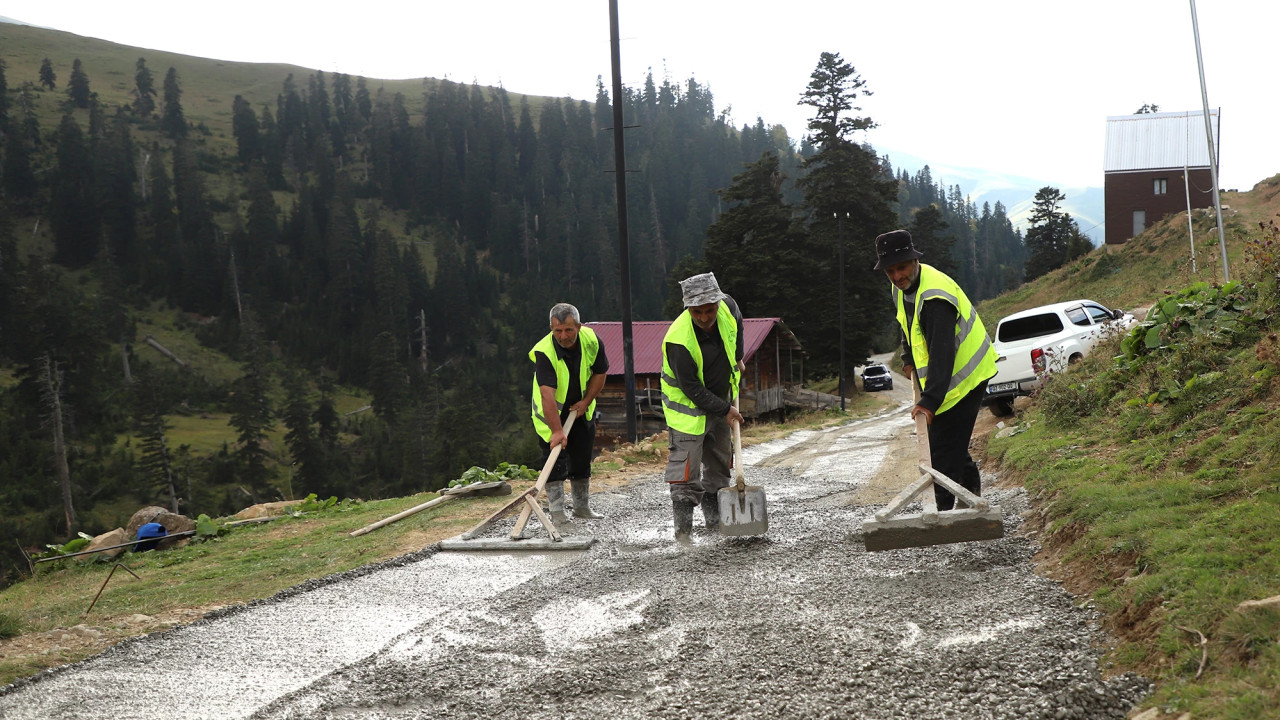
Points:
[[890, 530], [527, 502], [742, 507]]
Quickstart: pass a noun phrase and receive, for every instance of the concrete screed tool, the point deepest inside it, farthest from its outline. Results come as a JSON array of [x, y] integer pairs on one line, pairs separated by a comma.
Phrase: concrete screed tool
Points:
[[528, 501], [978, 520], [742, 507]]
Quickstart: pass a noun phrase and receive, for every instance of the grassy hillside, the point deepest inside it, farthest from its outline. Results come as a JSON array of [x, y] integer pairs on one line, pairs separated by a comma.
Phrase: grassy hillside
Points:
[[1137, 273], [208, 86], [1152, 464]]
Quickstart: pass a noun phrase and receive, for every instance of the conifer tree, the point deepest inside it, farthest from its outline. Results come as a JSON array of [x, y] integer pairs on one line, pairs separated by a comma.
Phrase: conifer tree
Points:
[[251, 413], [151, 427], [929, 233], [244, 127], [4, 102], [73, 203], [1052, 236], [849, 202], [307, 466], [48, 79], [19, 179], [78, 85], [144, 90], [172, 121]]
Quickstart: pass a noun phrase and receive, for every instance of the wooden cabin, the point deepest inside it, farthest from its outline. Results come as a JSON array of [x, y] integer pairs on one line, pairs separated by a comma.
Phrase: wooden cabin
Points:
[[774, 363], [1156, 164]]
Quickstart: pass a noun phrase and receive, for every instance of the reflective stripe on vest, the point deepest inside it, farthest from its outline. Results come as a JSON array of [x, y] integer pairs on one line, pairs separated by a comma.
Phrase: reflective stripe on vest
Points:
[[680, 412], [590, 344], [975, 358]]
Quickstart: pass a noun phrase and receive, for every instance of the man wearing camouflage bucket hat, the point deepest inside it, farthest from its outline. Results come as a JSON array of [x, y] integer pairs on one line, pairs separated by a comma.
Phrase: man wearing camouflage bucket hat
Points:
[[701, 367]]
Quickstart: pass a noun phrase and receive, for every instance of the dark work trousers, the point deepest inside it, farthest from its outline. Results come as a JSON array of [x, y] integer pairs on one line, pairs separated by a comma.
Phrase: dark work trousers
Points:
[[949, 435], [575, 459], [698, 465]]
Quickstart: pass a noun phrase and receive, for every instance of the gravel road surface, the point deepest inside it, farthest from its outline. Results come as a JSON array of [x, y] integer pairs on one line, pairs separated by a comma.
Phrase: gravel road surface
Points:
[[799, 623]]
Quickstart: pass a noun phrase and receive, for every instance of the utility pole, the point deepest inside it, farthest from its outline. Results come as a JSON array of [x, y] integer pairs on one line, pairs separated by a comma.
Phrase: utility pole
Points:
[[624, 264], [1209, 137], [840, 241]]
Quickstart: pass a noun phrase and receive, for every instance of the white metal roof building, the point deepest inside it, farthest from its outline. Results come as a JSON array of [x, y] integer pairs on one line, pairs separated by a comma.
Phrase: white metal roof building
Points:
[[1159, 141]]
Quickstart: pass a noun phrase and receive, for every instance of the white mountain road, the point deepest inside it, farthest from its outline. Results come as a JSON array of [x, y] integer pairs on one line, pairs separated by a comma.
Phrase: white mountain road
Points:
[[799, 623]]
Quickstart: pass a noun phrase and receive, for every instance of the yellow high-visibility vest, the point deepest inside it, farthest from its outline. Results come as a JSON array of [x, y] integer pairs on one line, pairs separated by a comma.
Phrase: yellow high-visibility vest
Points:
[[680, 412], [975, 358], [590, 345]]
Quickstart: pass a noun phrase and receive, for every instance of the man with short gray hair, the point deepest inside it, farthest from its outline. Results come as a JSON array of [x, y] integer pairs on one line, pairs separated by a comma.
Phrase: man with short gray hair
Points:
[[569, 372], [701, 367]]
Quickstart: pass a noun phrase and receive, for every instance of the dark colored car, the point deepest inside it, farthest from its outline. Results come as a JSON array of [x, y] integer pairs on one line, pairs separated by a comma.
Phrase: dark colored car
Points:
[[876, 377]]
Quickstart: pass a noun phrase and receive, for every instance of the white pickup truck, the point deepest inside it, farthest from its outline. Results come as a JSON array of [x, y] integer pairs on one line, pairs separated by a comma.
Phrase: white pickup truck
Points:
[[1033, 343]]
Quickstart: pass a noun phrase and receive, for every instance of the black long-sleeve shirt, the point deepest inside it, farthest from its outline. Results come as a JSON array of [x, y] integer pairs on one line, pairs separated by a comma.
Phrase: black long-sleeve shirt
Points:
[[712, 393], [939, 319]]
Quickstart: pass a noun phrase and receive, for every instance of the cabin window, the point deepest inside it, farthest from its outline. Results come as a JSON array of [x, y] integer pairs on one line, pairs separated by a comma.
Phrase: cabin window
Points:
[[1139, 222], [1161, 186]]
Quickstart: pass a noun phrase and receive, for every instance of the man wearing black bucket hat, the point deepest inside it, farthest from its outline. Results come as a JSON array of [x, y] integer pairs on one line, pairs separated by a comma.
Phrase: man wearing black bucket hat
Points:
[[701, 366], [945, 346]]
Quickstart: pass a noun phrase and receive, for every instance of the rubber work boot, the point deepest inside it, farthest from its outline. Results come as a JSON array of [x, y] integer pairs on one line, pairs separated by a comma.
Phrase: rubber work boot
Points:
[[581, 499], [555, 502], [682, 511], [711, 511]]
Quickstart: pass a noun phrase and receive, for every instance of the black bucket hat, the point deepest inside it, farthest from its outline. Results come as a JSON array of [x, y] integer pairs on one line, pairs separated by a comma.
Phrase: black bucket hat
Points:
[[894, 247]]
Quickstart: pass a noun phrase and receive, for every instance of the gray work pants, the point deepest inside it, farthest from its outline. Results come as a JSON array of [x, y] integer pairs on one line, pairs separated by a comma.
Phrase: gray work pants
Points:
[[699, 463]]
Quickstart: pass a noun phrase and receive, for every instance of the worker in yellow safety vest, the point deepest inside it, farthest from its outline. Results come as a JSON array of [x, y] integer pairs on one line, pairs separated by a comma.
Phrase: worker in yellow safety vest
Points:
[[701, 367], [569, 371], [946, 347]]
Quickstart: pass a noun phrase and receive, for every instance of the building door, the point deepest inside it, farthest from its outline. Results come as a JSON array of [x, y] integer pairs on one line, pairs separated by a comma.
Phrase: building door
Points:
[[1139, 222]]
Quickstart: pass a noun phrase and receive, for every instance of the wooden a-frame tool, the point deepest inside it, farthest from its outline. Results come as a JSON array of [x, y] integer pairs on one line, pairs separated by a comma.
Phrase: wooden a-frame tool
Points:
[[527, 502], [977, 520]]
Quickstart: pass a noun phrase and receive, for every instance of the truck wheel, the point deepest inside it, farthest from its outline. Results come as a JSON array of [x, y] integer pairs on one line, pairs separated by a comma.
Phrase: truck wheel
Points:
[[1002, 407]]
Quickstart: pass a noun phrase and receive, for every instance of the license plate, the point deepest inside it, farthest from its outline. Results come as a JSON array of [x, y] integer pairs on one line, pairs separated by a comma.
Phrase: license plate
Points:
[[1002, 387]]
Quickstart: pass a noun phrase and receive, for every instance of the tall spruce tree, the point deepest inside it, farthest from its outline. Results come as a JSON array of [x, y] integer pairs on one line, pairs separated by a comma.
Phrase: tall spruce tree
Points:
[[73, 204], [144, 90], [172, 121], [929, 232], [78, 86], [849, 201], [48, 78], [1053, 238]]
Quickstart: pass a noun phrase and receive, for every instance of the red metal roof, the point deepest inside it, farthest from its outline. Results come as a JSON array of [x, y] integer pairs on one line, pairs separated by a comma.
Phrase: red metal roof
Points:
[[646, 341]]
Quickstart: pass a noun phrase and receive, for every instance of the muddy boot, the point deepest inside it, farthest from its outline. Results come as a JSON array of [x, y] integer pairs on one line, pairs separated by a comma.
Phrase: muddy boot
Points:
[[581, 498], [682, 511], [555, 502], [711, 511]]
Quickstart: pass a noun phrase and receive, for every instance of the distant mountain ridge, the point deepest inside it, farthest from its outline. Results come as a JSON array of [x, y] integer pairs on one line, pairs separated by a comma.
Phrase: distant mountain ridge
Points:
[[1084, 204]]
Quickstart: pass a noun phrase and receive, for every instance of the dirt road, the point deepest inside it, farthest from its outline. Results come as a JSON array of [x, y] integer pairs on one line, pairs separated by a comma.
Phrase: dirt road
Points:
[[800, 623]]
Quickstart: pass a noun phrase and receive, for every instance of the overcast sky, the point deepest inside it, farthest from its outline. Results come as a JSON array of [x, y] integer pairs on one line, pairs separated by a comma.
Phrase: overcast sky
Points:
[[1019, 87]]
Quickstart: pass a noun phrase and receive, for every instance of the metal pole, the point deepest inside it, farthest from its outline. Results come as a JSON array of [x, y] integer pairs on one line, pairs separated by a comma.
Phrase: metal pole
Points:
[[840, 241], [1213, 152], [1186, 189], [624, 264]]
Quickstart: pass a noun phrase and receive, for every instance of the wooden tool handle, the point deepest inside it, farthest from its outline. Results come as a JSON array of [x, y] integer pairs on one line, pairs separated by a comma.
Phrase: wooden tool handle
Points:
[[527, 510], [737, 452], [930, 513]]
